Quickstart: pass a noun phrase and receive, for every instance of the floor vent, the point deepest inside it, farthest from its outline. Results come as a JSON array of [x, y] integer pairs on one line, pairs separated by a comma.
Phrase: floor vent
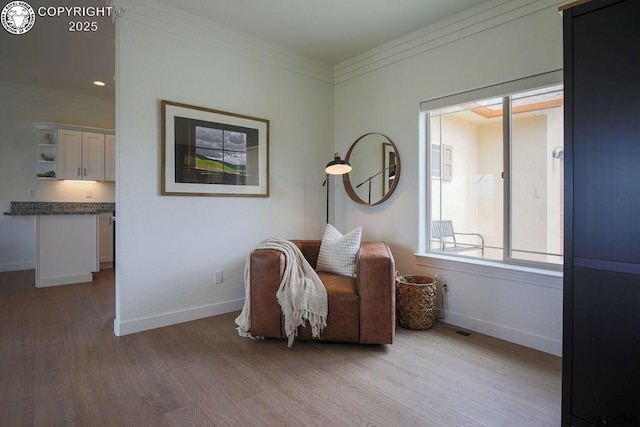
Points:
[[456, 330]]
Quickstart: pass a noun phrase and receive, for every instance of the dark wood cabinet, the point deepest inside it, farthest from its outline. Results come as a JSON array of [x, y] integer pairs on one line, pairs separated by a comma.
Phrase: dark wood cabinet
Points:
[[601, 331]]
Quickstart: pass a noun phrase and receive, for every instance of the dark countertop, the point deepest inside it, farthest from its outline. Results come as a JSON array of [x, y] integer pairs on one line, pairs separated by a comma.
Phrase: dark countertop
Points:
[[60, 208]]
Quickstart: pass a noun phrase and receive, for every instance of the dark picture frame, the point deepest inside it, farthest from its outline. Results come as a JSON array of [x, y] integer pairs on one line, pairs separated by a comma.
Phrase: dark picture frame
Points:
[[388, 166], [207, 152]]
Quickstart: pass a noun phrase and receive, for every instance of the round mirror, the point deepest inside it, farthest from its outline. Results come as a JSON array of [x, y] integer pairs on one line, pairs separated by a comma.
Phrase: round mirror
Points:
[[376, 169]]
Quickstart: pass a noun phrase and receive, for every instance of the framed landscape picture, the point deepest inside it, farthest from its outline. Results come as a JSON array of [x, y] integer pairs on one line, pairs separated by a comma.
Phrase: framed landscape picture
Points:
[[208, 152]]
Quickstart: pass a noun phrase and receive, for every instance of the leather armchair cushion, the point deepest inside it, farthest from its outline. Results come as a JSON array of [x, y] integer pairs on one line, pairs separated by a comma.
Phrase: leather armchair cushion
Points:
[[338, 285], [343, 314]]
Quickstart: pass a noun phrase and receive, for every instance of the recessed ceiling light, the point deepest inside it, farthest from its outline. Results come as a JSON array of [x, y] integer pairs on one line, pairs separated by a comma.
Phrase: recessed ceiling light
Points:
[[99, 83]]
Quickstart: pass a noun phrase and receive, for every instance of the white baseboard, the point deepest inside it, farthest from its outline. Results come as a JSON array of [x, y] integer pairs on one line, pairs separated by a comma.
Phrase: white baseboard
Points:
[[16, 266], [527, 339], [45, 282], [143, 324]]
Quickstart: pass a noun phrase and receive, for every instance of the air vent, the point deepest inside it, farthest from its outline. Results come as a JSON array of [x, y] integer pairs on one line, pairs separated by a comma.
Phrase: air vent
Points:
[[455, 330]]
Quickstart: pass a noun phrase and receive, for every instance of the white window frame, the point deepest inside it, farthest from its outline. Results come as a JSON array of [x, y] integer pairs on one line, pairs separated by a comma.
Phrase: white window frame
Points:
[[501, 90]]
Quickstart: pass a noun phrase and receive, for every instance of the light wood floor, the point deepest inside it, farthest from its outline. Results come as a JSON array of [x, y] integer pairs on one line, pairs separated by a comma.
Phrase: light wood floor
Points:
[[61, 365]]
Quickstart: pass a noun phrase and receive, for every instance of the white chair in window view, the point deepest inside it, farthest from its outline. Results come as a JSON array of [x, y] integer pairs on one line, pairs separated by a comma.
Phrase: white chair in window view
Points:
[[442, 231]]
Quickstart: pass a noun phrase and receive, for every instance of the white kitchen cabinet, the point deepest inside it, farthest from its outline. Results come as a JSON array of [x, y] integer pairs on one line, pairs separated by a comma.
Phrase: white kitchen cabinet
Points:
[[74, 152], [105, 239], [80, 155], [109, 157], [65, 249], [92, 156], [69, 154]]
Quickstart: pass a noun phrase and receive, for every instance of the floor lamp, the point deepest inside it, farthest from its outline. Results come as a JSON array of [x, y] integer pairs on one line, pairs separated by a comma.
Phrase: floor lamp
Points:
[[392, 175], [337, 166]]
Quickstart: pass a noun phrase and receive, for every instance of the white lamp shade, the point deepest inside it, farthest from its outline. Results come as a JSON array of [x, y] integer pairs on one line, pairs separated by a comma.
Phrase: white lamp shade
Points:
[[337, 166]]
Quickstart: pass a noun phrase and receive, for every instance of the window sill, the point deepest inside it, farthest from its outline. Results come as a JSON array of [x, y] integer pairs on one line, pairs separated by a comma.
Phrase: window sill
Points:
[[493, 269]]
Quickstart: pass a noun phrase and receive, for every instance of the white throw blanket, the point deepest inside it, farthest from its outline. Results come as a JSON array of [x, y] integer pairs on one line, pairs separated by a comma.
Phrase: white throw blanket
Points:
[[301, 294]]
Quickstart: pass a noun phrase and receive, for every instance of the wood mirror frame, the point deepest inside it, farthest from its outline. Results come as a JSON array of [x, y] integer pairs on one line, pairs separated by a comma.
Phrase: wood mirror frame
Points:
[[374, 158]]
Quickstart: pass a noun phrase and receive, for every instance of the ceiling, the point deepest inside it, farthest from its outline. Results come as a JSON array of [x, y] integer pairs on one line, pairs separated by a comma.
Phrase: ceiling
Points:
[[328, 30]]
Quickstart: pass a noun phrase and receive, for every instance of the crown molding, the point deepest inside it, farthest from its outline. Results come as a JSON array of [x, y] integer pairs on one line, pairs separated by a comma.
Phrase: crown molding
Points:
[[481, 18], [171, 20]]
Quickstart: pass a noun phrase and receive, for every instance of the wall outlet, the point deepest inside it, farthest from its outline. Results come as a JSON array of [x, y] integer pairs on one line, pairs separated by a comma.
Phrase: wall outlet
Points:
[[217, 277], [444, 280], [31, 192], [88, 194]]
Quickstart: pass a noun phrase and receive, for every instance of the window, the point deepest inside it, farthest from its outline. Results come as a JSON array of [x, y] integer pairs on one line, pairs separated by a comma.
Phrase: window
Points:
[[501, 196], [441, 166]]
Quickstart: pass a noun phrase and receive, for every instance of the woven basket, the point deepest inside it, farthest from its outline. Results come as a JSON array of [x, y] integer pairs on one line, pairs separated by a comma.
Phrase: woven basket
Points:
[[415, 301]]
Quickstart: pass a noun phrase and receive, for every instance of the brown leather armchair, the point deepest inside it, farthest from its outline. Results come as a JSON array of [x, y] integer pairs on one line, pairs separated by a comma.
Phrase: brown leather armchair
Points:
[[360, 310]]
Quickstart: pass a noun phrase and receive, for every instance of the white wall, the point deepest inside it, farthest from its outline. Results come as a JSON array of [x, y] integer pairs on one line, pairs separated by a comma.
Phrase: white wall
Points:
[[380, 91], [168, 247], [20, 106]]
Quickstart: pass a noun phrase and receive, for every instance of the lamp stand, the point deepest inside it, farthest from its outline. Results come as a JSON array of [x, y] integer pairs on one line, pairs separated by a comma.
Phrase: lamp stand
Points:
[[368, 180], [326, 182], [337, 166]]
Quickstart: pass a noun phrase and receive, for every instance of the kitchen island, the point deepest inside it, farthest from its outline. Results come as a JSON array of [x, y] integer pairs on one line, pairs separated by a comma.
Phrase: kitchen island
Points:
[[67, 239]]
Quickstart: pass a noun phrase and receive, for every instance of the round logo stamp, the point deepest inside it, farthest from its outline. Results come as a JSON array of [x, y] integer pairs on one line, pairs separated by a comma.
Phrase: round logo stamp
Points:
[[18, 17]]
